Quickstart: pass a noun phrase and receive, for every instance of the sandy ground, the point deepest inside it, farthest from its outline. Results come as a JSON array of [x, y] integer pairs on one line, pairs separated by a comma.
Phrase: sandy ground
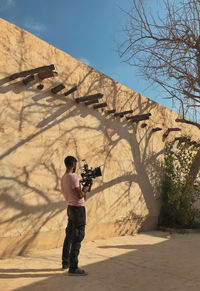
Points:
[[149, 261]]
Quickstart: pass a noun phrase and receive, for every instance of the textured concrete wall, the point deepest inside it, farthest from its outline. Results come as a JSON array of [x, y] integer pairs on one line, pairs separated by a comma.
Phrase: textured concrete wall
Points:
[[37, 131]]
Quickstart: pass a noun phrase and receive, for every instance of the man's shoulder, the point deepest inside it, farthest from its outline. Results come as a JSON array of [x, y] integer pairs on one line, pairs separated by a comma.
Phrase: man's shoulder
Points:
[[70, 176], [74, 177]]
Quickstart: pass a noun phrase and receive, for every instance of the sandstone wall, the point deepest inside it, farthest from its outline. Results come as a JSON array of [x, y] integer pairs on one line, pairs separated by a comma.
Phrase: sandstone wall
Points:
[[37, 131]]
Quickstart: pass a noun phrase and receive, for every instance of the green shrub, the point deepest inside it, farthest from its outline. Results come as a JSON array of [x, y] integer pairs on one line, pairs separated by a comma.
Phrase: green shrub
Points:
[[177, 210]]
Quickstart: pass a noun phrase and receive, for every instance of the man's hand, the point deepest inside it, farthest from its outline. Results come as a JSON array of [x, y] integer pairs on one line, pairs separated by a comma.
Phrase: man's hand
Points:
[[85, 189]]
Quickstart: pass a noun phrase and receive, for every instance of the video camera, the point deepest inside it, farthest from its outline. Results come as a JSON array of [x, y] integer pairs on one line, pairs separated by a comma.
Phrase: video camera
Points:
[[88, 175]]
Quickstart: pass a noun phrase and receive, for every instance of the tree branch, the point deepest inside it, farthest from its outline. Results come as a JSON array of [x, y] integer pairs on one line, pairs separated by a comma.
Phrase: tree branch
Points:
[[188, 122]]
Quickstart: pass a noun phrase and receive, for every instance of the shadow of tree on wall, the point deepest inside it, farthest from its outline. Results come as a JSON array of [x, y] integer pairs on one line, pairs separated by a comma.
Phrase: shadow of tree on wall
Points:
[[42, 113]]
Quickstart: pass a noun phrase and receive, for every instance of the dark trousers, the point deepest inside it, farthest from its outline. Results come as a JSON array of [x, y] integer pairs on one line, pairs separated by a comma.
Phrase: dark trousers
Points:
[[75, 233]]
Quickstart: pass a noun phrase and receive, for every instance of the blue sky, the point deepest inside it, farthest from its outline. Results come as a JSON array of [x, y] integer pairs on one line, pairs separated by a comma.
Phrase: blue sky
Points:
[[88, 30]]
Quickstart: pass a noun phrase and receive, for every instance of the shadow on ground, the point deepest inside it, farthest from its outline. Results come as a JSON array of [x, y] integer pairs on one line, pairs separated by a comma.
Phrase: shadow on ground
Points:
[[151, 261]]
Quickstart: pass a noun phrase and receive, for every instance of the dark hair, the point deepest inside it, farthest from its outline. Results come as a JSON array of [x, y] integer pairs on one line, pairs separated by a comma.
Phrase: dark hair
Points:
[[69, 160]]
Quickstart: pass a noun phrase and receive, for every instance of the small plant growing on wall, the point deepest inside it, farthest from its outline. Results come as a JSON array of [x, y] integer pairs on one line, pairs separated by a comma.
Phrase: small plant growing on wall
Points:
[[178, 206]]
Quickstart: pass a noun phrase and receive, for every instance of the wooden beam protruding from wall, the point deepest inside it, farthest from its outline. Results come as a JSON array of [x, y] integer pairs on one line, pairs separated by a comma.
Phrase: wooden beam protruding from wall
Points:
[[31, 72], [71, 90], [156, 129], [58, 88], [143, 125], [28, 79], [89, 97], [92, 102], [40, 86], [46, 74], [111, 111], [165, 135], [121, 114], [140, 117], [101, 105]]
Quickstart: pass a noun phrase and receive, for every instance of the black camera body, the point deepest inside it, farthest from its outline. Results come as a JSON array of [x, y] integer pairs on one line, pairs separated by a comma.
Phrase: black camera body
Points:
[[88, 175]]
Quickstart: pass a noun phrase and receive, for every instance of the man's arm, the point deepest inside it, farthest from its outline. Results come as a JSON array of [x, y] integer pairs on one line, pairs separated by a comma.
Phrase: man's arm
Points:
[[81, 193]]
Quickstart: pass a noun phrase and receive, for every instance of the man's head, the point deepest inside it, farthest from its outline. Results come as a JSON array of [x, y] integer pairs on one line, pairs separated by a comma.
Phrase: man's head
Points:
[[70, 163]]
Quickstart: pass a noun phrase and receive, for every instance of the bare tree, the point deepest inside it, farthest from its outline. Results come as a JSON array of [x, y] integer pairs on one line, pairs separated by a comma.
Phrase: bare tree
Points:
[[166, 49]]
